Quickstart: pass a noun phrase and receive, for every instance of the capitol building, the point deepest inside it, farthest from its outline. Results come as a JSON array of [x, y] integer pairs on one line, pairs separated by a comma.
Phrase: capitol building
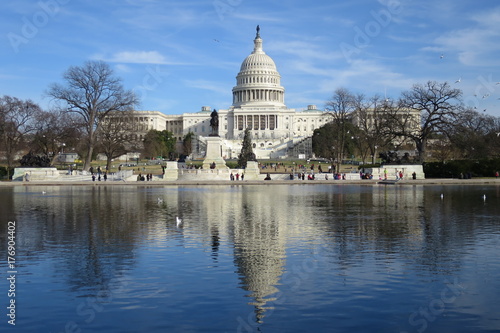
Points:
[[258, 103]]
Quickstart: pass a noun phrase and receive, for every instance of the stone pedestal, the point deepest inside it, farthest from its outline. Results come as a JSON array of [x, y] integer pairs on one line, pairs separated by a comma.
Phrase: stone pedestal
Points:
[[214, 154], [27, 174], [171, 171], [252, 171]]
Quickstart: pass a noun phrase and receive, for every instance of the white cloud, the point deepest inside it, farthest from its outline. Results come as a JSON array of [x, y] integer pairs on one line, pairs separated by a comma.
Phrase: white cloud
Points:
[[207, 85], [122, 68], [138, 57], [256, 17], [305, 50], [476, 45]]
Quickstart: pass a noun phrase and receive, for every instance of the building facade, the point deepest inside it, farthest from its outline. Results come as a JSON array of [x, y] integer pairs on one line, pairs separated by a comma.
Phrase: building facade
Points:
[[258, 103]]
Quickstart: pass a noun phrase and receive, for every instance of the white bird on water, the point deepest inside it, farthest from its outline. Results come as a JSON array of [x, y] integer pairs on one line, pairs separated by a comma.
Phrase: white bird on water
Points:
[[160, 200], [178, 221], [442, 196], [484, 197]]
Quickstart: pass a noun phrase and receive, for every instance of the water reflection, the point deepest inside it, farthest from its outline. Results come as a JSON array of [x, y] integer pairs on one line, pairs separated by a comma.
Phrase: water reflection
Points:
[[354, 242]]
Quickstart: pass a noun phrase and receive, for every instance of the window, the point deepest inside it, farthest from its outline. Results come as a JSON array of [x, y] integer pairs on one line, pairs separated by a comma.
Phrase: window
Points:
[[240, 123], [272, 122]]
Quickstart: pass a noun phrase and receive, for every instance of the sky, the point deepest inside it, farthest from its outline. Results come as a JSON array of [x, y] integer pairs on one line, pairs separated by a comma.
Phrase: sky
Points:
[[180, 55]]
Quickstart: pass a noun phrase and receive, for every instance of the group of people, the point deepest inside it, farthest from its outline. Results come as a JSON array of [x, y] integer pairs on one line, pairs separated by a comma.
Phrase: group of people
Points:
[[367, 175], [99, 173], [310, 176], [141, 178], [237, 176], [400, 175]]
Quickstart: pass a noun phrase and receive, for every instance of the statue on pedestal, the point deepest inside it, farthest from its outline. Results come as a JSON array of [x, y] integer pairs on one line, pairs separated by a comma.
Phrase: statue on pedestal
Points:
[[214, 123]]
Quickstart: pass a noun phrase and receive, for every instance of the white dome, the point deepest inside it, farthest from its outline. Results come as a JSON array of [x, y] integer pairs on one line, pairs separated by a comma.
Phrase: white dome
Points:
[[258, 61], [258, 82]]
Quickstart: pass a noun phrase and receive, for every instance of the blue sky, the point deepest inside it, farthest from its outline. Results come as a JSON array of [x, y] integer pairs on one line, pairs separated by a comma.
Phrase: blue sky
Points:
[[181, 55]]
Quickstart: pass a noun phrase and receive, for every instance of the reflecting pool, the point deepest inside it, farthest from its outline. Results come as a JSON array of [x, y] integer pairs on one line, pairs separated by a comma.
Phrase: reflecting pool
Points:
[[255, 258]]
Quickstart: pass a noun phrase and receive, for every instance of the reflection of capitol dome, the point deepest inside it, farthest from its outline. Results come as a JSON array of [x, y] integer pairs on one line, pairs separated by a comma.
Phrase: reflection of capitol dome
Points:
[[258, 81]]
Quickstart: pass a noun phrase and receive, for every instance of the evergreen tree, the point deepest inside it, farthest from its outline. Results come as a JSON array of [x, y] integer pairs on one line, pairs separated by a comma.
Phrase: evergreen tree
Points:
[[159, 143], [187, 143], [246, 153]]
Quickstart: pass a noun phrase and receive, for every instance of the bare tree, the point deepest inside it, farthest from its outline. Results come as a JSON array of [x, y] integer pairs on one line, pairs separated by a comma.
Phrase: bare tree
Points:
[[340, 107], [371, 117], [474, 135], [55, 130], [114, 139], [16, 123], [92, 91], [437, 104]]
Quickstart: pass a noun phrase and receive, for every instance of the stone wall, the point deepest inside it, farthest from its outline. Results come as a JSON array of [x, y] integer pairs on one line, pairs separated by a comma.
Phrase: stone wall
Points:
[[25, 174]]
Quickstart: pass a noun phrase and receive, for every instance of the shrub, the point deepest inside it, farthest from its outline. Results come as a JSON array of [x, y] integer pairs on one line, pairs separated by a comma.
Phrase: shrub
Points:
[[458, 168]]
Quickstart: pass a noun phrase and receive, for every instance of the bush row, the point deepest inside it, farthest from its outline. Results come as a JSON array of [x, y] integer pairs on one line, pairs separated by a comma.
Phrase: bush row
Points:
[[462, 168]]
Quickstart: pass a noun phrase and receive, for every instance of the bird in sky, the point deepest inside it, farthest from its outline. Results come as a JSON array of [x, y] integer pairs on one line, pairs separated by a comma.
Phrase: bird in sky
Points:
[[486, 95], [216, 40], [441, 56], [459, 79]]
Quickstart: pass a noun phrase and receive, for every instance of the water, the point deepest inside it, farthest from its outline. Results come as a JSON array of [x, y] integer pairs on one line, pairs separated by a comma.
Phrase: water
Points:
[[264, 258]]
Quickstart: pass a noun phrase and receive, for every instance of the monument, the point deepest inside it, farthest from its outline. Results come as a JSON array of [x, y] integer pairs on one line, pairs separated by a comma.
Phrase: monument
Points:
[[393, 166], [213, 157], [35, 167]]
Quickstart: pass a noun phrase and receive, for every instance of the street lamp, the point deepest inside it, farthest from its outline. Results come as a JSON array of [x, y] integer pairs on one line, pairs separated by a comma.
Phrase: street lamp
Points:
[[334, 160]]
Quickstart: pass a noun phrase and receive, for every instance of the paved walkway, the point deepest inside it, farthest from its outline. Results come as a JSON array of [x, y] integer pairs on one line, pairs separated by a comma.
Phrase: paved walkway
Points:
[[411, 182]]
